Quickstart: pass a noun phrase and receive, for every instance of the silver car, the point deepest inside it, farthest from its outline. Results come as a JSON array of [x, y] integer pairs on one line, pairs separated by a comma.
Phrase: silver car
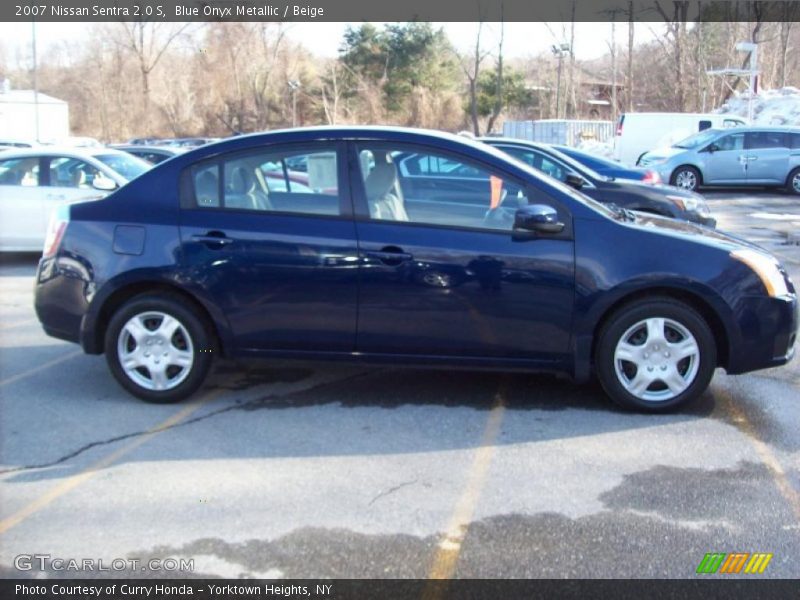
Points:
[[33, 181], [767, 156]]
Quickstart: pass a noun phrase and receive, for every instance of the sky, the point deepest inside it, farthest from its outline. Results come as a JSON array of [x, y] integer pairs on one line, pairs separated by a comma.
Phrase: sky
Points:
[[323, 39]]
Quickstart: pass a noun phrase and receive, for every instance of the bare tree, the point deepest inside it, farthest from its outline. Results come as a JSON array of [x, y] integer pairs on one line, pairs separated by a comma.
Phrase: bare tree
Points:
[[472, 71], [676, 30], [498, 95], [149, 41]]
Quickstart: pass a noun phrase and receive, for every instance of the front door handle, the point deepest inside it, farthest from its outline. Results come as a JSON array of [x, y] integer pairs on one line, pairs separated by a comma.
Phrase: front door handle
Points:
[[215, 238], [389, 255]]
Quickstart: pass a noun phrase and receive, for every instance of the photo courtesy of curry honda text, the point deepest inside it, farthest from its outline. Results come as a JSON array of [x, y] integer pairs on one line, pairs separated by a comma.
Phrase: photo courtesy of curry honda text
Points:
[[402, 246]]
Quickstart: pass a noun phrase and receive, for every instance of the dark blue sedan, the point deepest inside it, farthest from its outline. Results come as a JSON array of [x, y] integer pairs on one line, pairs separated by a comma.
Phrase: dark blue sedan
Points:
[[610, 168], [407, 247]]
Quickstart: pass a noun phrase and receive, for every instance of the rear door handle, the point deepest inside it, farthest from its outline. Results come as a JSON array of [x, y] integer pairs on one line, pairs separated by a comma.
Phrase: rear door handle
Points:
[[216, 238]]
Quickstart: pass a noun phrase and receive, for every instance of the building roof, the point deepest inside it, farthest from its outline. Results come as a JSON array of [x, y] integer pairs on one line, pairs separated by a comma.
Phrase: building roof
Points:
[[27, 97]]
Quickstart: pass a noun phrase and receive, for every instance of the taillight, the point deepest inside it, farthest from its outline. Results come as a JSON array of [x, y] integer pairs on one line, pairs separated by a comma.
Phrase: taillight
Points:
[[619, 125], [55, 231], [651, 177]]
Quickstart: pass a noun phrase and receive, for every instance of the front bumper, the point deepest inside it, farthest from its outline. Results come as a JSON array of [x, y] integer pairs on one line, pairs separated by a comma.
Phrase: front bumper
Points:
[[768, 329]]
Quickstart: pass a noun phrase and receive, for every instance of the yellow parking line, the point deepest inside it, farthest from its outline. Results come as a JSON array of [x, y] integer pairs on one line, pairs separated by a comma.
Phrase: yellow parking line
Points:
[[764, 452], [446, 558], [39, 368], [80, 478]]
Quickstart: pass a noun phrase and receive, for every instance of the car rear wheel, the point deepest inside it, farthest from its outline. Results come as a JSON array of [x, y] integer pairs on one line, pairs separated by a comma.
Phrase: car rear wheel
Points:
[[687, 178], [793, 182], [158, 348], [654, 355]]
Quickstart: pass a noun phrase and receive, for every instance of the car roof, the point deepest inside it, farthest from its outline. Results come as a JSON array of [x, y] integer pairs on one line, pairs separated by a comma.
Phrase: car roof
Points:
[[146, 148], [74, 152], [340, 133]]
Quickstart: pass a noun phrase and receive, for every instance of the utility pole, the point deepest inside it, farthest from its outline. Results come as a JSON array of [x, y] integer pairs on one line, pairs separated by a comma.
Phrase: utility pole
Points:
[[559, 51], [294, 85]]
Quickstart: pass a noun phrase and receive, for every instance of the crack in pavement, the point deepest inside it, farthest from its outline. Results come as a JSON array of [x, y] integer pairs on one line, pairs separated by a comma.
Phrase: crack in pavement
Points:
[[391, 491], [239, 405]]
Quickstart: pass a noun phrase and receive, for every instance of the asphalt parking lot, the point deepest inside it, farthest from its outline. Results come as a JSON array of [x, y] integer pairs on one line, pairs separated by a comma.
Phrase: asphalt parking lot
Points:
[[306, 471]]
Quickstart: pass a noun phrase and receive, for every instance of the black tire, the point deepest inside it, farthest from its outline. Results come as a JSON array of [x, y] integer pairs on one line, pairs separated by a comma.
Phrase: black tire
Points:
[[793, 182], [696, 371], [686, 178], [192, 339]]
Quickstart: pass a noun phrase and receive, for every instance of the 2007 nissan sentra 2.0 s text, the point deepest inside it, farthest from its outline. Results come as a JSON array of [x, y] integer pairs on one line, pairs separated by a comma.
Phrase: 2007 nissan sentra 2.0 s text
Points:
[[360, 243]]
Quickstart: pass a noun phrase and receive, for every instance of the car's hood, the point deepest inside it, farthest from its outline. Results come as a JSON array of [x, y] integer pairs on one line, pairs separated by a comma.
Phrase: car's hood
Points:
[[652, 190], [694, 231], [662, 152]]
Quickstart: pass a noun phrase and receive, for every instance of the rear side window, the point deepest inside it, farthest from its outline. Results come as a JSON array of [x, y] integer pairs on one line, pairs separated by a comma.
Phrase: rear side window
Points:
[[703, 125], [20, 171], [766, 139], [304, 182]]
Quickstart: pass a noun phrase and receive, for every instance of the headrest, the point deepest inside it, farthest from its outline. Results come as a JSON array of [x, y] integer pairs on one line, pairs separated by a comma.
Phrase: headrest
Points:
[[241, 181], [381, 179]]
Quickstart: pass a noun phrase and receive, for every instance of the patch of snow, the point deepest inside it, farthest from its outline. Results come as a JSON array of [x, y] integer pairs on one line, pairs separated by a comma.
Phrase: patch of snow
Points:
[[770, 107]]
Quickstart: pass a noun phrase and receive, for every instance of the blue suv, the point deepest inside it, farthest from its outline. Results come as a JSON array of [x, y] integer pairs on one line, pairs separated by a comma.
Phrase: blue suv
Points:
[[402, 246]]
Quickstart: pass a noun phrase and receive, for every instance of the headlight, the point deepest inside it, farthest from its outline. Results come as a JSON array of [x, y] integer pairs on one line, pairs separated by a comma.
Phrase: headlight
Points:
[[767, 270], [684, 202]]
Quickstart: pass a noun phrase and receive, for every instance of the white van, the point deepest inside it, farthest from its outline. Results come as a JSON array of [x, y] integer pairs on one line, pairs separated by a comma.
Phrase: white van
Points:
[[638, 133]]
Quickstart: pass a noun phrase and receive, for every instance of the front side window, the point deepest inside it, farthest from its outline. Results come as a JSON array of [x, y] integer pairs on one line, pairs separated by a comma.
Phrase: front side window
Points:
[[66, 171], [126, 165], [540, 162], [270, 181], [445, 190], [734, 141], [20, 171]]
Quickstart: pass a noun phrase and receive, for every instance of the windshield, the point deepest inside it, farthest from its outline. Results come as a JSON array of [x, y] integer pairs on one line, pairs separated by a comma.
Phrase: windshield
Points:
[[565, 188], [126, 165], [697, 139]]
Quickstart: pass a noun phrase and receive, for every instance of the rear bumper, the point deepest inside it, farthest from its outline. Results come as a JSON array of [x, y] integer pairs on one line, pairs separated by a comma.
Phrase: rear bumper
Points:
[[768, 329], [60, 301]]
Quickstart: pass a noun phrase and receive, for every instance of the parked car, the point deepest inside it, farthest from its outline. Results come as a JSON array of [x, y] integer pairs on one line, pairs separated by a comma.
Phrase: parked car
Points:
[[638, 133], [197, 259], [193, 142], [763, 156], [34, 181], [151, 154], [610, 168], [632, 195], [144, 141], [8, 143]]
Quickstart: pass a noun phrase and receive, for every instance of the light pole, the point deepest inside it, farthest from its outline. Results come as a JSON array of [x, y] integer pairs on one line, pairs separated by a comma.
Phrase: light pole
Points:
[[35, 83], [559, 51], [294, 85]]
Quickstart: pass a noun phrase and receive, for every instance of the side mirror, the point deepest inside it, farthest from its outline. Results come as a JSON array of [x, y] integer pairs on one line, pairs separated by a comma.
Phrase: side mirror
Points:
[[103, 183], [538, 217], [711, 148], [575, 181]]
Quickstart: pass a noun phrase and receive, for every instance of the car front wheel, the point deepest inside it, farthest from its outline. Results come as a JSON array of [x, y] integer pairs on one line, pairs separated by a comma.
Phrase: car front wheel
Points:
[[687, 178], [654, 355], [793, 182], [158, 348]]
